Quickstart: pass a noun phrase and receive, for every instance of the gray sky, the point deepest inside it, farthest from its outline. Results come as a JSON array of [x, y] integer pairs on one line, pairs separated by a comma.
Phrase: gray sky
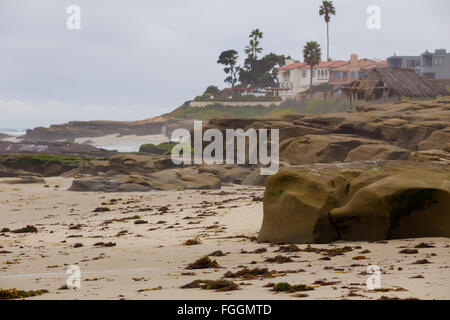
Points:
[[137, 59]]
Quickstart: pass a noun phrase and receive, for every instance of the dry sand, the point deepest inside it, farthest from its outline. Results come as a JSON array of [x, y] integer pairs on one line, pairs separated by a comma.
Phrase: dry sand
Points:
[[153, 255]]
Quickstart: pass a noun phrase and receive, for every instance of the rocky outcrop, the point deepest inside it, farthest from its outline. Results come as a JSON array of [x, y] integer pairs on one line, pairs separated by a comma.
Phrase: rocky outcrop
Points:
[[439, 139], [381, 132], [38, 164], [79, 129], [227, 173], [171, 179], [24, 180], [377, 152], [372, 200], [320, 148], [52, 148]]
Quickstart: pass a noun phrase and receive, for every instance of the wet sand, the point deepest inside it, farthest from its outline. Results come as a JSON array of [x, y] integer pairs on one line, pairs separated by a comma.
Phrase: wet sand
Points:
[[152, 254]]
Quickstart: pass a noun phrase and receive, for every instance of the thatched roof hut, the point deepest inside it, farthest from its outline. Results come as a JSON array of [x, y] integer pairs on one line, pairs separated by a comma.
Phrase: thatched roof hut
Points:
[[389, 82]]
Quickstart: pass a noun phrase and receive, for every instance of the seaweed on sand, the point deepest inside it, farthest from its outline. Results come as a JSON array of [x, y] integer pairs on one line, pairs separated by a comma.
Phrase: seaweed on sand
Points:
[[7, 294], [220, 285], [27, 229], [279, 259], [286, 287], [203, 263]]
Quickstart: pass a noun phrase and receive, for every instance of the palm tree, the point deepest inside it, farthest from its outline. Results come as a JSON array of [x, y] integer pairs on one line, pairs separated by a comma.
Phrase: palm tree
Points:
[[253, 48], [311, 56], [327, 9]]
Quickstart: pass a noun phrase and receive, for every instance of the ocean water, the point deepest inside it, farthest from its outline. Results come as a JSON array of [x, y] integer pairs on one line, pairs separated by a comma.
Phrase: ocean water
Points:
[[13, 132], [129, 143]]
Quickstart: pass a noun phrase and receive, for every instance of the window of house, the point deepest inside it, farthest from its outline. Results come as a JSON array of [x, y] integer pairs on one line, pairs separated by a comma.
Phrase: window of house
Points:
[[286, 76], [361, 75], [303, 73], [412, 63], [337, 74], [438, 60], [353, 75], [345, 75]]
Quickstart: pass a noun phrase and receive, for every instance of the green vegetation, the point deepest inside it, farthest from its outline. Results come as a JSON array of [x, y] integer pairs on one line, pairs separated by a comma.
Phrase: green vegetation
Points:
[[217, 110], [312, 55], [229, 59], [256, 72], [161, 148], [25, 159], [239, 98], [8, 294]]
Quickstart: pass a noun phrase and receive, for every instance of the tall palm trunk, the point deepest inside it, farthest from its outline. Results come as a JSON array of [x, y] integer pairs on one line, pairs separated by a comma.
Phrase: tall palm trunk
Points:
[[328, 44], [311, 83]]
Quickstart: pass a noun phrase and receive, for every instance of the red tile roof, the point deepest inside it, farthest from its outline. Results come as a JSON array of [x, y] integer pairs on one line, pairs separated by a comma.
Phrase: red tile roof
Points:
[[322, 64], [291, 66], [327, 64]]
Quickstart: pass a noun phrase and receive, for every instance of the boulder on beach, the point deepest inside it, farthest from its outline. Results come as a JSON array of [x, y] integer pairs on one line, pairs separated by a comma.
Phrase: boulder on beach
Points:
[[373, 200], [105, 185], [227, 173], [183, 178]]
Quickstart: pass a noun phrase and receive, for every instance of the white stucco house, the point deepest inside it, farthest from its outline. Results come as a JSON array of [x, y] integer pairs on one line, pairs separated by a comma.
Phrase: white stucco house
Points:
[[294, 77]]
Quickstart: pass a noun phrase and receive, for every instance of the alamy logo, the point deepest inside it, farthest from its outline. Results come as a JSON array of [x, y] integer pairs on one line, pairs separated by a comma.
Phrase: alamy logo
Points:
[[74, 280], [374, 281], [374, 20], [74, 20], [213, 153]]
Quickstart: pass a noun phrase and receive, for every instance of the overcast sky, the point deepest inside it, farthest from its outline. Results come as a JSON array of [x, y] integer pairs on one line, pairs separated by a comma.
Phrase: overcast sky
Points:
[[137, 59]]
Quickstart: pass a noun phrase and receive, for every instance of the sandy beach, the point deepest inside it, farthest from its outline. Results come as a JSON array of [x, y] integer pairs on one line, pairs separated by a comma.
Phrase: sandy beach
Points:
[[148, 259]]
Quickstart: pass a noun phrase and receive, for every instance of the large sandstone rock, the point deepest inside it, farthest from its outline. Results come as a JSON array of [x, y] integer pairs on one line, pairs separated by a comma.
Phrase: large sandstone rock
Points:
[[357, 201], [405, 205]]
